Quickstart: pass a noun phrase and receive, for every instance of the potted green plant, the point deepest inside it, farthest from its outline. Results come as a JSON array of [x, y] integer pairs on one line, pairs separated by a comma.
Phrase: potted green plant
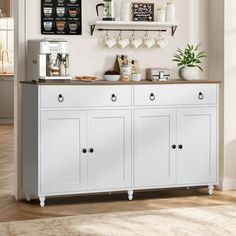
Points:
[[189, 61]]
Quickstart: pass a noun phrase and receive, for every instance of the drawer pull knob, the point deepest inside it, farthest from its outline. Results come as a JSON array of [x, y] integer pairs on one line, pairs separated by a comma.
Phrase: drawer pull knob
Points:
[[174, 146], [201, 96], [113, 98], [91, 150], [180, 146], [152, 97], [60, 98], [84, 150]]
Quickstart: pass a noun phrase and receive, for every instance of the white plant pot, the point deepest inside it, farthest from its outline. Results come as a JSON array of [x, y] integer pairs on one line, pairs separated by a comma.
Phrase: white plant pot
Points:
[[189, 73]]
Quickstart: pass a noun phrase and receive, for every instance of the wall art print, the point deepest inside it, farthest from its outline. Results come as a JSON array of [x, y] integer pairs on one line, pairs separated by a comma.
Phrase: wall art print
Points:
[[63, 17]]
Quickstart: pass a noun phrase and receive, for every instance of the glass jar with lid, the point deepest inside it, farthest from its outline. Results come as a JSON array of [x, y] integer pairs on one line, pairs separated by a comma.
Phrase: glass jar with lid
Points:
[[125, 72]]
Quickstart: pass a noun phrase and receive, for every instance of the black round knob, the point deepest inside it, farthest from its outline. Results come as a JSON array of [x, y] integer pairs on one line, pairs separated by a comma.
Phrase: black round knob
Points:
[[84, 150], [174, 146], [91, 150], [201, 96], [60, 98], [113, 98], [180, 146], [152, 97]]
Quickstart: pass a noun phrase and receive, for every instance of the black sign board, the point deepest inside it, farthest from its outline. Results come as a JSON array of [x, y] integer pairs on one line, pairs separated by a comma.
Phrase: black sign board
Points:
[[62, 17], [143, 12]]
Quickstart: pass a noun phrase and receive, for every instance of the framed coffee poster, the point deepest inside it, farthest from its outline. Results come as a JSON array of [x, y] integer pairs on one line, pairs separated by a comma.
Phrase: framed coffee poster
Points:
[[143, 11], [62, 17]]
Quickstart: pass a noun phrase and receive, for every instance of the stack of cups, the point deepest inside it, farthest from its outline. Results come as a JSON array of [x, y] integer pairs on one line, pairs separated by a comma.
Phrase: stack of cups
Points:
[[125, 10]]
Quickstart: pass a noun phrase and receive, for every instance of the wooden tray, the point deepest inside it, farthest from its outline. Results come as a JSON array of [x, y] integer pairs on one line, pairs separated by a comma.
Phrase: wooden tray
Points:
[[86, 78]]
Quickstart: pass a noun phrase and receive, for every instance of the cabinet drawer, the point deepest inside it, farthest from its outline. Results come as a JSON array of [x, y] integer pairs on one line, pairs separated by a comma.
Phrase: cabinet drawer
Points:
[[184, 94], [85, 96]]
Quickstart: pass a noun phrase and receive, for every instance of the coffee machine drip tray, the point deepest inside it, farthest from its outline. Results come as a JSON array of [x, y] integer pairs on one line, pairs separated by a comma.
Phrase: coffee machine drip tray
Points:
[[53, 78]]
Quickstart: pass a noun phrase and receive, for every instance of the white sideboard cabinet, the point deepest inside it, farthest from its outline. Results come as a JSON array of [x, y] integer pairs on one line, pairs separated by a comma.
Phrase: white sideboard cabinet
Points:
[[81, 139]]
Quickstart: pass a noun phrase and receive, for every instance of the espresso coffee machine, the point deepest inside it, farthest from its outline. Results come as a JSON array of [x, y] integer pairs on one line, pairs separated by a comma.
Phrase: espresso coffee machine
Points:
[[108, 10], [48, 60]]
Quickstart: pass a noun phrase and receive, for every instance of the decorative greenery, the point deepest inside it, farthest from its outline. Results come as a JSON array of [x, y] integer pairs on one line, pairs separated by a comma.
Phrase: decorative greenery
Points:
[[191, 56]]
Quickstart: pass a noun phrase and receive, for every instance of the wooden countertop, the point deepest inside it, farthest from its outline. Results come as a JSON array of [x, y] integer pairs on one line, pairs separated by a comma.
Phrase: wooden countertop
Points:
[[103, 82], [6, 75]]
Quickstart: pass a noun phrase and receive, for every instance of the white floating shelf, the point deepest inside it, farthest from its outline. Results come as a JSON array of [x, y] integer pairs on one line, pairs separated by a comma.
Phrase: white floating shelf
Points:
[[133, 26]]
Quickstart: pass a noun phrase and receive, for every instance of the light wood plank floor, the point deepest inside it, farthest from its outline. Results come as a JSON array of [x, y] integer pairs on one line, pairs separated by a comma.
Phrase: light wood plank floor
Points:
[[11, 210]]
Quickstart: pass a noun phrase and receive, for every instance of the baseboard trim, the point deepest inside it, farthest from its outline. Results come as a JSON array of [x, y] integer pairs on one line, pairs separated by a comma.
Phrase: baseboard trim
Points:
[[228, 184], [21, 195]]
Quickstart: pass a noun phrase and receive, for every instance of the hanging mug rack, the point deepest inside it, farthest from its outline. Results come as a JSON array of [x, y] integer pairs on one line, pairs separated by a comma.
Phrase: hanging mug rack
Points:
[[133, 26]]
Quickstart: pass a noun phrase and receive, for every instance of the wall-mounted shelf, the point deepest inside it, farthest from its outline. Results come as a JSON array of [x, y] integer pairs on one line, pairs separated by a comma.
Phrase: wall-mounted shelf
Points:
[[133, 26]]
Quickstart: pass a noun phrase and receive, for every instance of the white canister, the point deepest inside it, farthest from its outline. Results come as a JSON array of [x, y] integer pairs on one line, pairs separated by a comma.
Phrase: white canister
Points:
[[170, 12], [161, 15], [125, 10], [125, 72]]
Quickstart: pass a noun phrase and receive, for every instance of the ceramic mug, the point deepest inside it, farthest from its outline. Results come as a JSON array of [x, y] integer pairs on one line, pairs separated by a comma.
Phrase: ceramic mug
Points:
[[161, 43], [73, 1], [136, 43], [123, 43], [110, 42], [136, 77], [149, 42], [60, 1]]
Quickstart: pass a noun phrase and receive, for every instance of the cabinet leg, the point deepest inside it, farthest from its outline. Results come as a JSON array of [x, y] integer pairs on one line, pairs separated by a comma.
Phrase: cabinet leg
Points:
[[42, 201], [28, 197], [210, 189], [130, 195]]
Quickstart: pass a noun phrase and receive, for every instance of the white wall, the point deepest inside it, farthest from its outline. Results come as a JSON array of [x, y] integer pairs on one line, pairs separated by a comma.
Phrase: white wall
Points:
[[216, 65], [230, 96], [19, 71], [88, 57], [222, 66]]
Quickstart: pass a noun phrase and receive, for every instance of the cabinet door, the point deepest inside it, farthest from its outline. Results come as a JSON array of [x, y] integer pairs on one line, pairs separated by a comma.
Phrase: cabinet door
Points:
[[197, 133], [63, 165], [155, 159], [109, 162], [7, 97]]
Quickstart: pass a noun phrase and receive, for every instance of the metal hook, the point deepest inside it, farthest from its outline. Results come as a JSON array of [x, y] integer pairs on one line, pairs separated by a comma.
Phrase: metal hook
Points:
[[146, 35], [120, 34], [133, 35], [107, 34]]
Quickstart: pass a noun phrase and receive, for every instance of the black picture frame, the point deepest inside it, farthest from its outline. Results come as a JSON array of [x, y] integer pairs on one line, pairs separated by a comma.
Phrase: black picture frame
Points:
[[142, 11], [61, 17]]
